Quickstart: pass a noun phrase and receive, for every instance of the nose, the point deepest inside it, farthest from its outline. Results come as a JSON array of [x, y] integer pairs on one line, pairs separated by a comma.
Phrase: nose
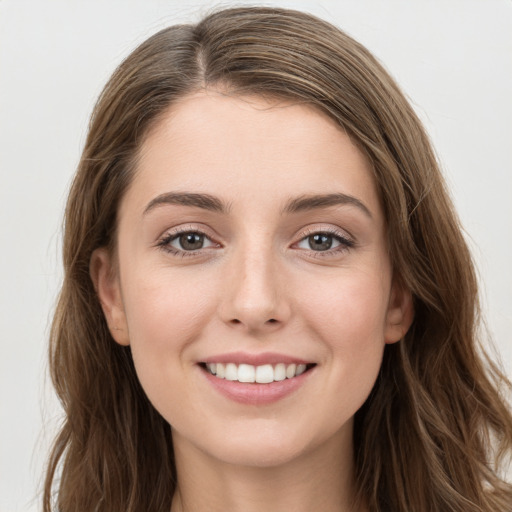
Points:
[[255, 296]]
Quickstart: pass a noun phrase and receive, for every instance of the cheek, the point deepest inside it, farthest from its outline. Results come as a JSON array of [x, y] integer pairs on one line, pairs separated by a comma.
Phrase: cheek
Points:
[[350, 311], [163, 306], [165, 315], [349, 317]]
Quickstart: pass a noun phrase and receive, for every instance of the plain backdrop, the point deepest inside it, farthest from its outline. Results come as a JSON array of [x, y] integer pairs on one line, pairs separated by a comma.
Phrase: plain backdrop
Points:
[[451, 57]]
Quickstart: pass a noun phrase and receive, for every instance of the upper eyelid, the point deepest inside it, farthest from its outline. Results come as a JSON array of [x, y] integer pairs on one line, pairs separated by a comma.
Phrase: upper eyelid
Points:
[[335, 231], [191, 228]]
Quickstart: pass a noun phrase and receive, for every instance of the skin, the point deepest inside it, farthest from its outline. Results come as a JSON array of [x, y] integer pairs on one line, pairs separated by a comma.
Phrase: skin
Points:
[[257, 284]]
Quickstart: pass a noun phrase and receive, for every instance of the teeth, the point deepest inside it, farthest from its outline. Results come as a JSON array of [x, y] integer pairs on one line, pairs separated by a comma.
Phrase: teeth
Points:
[[301, 368], [290, 371], [246, 373], [263, 374], [231, 372], [221, 372], [280, 371]]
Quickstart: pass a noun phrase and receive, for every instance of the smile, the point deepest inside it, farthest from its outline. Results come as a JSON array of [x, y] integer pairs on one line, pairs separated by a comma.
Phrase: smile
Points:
[[256, 379], [262, 374]]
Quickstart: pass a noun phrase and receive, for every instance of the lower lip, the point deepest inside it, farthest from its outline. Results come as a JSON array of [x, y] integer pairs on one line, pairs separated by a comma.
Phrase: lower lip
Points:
[[254, 393]]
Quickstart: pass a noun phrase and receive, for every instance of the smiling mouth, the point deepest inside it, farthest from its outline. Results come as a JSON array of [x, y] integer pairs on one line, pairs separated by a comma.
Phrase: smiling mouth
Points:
[[262, 374]]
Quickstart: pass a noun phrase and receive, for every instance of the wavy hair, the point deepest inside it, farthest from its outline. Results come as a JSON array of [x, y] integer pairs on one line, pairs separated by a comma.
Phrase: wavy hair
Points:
[[435, 434]]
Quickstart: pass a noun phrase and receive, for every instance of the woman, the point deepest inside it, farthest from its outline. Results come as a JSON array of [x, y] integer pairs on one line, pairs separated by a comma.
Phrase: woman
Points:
[[268, 303]]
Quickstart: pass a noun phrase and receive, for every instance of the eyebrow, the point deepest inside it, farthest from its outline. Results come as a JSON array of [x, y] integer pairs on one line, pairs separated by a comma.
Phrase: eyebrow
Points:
[[299, 204], [204, 201], [311, 202]]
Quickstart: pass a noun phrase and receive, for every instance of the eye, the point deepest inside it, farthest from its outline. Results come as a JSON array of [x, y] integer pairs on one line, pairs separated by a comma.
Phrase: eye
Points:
[[189, 241], [318, 242], [324, 241], [185, 241]]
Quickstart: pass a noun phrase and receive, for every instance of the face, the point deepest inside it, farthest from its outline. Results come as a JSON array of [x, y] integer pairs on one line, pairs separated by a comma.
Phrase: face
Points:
[[251, 245]]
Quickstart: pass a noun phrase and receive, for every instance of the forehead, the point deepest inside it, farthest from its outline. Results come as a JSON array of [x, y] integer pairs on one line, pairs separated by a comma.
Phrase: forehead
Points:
[[233, 145]]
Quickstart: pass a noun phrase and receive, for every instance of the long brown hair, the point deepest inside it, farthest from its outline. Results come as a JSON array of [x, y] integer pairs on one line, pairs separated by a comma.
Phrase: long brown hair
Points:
[[436, 430]]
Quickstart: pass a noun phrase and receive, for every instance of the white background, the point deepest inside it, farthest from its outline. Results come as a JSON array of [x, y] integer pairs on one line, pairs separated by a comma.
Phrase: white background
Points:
[[453, 58]]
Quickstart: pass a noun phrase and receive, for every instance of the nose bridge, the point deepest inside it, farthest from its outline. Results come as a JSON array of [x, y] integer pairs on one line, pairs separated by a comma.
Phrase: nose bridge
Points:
[[256, 298]]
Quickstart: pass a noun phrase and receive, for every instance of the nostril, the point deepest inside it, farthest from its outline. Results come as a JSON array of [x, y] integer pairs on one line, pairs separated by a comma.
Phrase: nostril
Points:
[[236, 321]]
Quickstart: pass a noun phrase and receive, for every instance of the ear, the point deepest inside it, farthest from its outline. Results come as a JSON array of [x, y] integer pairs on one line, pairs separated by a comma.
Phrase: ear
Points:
[[400, 312], [107, 286]]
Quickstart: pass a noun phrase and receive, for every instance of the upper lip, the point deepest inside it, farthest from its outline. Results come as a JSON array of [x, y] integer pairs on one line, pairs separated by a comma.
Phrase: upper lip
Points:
[[255, 359]]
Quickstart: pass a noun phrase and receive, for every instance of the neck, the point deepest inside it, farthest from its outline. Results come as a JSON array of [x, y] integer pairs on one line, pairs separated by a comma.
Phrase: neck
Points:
[[319, 480]]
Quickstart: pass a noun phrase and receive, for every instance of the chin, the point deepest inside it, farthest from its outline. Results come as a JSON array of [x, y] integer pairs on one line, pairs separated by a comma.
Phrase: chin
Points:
[[259, 455], [263, 444]]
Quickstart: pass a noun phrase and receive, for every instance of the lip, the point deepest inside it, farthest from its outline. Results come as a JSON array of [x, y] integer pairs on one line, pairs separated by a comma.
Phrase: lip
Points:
[[255, 393], [255, 359]]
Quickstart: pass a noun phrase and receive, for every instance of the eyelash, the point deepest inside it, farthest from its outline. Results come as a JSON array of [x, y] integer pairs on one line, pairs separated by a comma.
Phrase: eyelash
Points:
[[345, 242], [165, 242]]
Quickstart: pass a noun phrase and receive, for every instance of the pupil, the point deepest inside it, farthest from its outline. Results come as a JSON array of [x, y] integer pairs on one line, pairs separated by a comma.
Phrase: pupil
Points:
[[320, 242], [191, 241]]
